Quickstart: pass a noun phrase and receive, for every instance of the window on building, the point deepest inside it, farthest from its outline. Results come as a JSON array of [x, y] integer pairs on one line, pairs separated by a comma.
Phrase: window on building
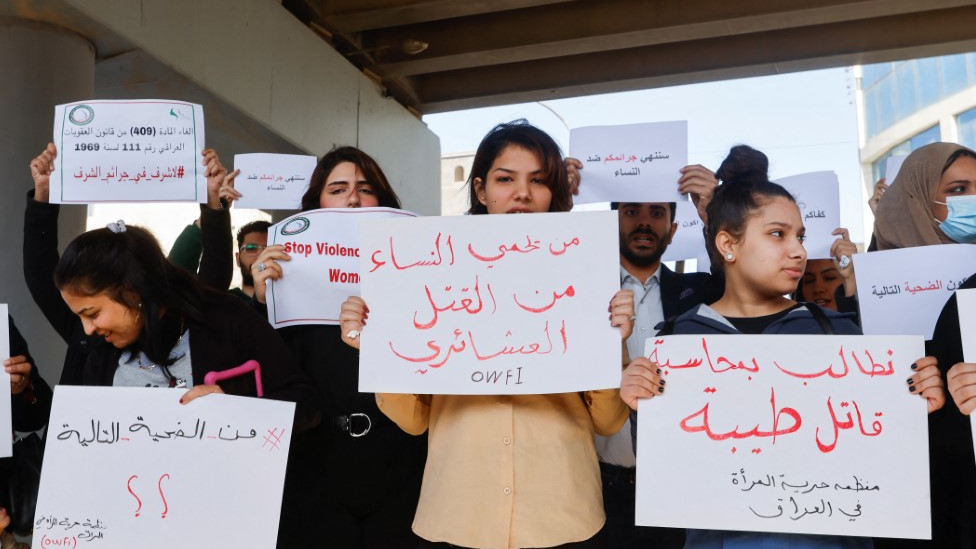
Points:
[[967, 128], [459, 173], [954, 77], [895, 91], [920, 139]]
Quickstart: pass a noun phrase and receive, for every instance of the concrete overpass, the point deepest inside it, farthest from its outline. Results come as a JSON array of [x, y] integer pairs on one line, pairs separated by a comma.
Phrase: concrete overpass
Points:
[[298, 76]]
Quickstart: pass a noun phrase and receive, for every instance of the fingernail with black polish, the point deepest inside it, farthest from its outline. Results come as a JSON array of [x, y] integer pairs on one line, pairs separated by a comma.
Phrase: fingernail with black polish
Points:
[[910, 381], [911, 389], [660, 389], [914, 366], [658, 371]]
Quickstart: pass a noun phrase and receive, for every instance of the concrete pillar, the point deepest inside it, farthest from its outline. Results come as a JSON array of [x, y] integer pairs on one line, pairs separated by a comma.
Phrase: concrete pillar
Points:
[[42, 66]]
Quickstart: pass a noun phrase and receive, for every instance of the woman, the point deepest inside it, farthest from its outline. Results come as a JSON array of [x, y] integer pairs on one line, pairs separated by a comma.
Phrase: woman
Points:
[[930, 202], [363, 473], [925, 205], [41, 253], [830, 283], [951, 444], [755, 236], [509, 471], [160, 327]]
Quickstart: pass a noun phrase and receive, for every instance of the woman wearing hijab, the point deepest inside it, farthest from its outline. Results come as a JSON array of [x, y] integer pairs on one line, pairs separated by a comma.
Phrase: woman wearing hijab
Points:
[[931, 201]]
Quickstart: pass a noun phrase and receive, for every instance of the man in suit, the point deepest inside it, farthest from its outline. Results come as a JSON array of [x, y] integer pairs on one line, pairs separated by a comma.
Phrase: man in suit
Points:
[[646, 230]]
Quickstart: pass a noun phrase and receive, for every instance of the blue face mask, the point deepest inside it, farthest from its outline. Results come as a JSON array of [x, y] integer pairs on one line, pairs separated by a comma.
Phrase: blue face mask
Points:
[[960, 224]]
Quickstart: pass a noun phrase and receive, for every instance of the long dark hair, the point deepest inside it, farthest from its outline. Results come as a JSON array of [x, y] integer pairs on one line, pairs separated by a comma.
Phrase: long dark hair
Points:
[[744, 190], [521, 134], [371, 171], [130, 268]]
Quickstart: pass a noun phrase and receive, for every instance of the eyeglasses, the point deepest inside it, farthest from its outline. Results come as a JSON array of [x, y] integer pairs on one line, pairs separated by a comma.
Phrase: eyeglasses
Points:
[[251, 249]]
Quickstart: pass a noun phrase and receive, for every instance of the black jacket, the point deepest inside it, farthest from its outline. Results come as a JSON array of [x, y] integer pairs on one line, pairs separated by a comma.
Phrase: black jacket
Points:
[[952, 463], [32, 406], [681, 292], [41, 258], [362, 473]]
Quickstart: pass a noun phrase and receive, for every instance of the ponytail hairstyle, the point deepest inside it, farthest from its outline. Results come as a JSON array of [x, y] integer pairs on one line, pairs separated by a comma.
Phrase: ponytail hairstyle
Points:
[[744, 190], [520, 133], [127, 265]]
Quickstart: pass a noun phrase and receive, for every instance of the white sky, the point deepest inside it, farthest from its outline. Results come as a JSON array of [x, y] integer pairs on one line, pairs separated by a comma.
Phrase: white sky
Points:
[[804, 122]]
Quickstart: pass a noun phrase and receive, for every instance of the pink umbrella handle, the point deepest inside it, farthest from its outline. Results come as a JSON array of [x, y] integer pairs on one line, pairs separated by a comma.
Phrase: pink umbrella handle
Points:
[[250, 366]]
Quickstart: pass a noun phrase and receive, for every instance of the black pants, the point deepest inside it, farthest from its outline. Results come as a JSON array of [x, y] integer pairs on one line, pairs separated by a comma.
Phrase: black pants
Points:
[[619, 493]]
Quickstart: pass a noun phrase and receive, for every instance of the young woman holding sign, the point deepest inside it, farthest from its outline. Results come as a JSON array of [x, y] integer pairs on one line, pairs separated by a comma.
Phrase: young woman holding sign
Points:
[[360, 474], [755, 235], [509, 471]]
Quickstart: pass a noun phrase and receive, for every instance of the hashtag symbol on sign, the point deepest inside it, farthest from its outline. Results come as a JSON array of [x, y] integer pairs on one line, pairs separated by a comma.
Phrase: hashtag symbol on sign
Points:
[[179, 171], [272, 438]]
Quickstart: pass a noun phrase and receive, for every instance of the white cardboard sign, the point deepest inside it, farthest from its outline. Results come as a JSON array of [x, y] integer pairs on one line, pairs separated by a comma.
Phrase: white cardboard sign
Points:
[[6, 427], [806, 434], [128, 151], [132, 467], [818, 196], [631, 163], [966, 300], [893, 166], [903, 291], [490, 304], [273, 181], [688, 241], [324, 266]]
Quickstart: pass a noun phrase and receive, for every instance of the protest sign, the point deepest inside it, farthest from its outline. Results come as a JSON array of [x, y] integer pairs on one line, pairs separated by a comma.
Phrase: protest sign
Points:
[[630, 163], [490, 304], [688, 241], [132, 467], [272, 181], [324, 266], [903, 291], [128, 151], [775, 433], [966, 301], [893, 166], [6, 428], [817, 195]]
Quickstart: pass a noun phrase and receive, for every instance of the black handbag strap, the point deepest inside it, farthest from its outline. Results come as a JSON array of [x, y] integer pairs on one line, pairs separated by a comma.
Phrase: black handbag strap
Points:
[[825, 326]]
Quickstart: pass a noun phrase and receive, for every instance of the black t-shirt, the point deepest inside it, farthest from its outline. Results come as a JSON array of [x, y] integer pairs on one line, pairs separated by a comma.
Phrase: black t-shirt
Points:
[[758, 324]]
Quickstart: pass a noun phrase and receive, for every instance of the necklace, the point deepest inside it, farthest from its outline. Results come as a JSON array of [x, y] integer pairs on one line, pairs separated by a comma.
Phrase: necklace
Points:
[[149, 365]]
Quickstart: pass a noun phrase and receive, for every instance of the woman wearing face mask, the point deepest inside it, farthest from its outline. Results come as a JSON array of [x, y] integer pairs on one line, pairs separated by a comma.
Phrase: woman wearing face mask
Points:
[[510, 471], [953, 463], [755, 236], [932, 201]]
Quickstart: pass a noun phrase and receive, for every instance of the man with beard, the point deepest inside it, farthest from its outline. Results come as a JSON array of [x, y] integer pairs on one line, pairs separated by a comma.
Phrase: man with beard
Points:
[[252, 239], [646, 230]]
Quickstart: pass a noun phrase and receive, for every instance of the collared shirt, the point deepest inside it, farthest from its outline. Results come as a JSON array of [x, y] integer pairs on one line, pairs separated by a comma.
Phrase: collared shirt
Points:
[[618, 449], [509, 471]]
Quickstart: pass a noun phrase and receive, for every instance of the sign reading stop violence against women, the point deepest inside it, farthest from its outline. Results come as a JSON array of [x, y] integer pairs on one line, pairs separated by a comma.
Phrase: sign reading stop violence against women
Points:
[[490, 304], [324, 267]]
